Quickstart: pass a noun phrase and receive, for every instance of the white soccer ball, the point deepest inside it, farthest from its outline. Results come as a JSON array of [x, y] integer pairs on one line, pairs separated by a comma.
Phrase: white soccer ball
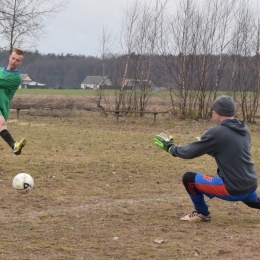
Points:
[[23, 182]]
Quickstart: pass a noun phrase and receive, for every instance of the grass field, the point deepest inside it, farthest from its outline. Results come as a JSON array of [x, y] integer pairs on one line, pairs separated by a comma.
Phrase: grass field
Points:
[[63, 92], [104, 191], [78, 92]]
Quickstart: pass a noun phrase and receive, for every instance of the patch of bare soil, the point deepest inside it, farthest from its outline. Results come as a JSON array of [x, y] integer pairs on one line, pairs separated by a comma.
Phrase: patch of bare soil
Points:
[[88, 103]]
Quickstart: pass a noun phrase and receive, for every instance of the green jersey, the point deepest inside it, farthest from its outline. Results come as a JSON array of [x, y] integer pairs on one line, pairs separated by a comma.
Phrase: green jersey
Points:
[[9, 83]]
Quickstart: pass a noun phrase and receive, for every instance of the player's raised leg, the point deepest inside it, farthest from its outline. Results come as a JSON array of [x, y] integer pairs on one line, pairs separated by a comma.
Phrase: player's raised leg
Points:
[[4, 133]]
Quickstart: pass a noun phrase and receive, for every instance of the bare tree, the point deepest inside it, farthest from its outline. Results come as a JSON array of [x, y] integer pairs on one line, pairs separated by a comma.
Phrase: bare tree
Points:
[[218, 17], [152, 42], [245, 43], [195, 52], [256, 89], [106, 42], [148, 23], [22, 21], [128, 40], [138, 39], [179, 51]]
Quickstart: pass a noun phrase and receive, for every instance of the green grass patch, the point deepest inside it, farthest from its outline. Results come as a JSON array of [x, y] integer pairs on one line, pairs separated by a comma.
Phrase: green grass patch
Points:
[[63, 92]]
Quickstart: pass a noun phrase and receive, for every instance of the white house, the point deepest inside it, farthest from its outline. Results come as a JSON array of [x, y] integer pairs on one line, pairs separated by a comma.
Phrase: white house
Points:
[[28, 81], [94, 82]]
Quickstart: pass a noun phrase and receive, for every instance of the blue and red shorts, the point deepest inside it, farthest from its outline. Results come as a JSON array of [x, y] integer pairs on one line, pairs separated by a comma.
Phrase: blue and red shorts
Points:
[[214, 187]]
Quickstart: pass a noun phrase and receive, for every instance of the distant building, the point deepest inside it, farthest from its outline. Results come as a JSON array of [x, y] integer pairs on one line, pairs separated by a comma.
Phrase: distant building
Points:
[[94, 82], [28, 82], [138, 83]]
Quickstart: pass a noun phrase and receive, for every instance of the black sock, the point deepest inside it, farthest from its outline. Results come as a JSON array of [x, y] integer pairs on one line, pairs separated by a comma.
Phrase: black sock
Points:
[[7, 137]]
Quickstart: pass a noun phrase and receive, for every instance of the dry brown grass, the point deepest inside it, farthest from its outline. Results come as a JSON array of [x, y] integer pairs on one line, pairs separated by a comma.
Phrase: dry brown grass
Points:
[[104, 191]]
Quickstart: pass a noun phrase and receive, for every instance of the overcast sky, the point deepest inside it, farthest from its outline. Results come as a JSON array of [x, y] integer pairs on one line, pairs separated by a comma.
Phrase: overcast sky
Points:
[[76, 29]]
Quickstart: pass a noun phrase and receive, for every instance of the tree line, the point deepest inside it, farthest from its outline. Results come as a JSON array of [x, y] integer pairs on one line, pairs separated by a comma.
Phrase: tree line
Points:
[[238, 76], [68, 71], [194, 49]]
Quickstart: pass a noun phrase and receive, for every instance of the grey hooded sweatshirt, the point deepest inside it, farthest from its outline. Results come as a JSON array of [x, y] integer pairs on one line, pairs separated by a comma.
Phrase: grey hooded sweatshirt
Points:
[[229, 143]]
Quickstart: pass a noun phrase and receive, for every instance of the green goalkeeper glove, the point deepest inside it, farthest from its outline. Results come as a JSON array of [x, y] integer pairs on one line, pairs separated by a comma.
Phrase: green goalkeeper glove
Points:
[[164, 142]]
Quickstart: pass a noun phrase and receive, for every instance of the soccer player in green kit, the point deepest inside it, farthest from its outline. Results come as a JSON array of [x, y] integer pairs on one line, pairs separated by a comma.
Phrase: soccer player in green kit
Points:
[[10, 80]]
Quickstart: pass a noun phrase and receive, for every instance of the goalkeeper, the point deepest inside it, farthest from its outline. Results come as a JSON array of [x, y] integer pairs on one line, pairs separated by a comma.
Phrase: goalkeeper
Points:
[[10, 80], [229, 143]]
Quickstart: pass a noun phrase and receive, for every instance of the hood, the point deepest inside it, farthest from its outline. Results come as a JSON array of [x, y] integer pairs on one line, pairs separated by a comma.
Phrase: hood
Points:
[[236, 125]]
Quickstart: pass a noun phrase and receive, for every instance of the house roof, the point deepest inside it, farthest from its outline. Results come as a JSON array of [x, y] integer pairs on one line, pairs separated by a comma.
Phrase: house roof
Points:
[[26, 77], [23, 75], [27, 80], [94, 80]]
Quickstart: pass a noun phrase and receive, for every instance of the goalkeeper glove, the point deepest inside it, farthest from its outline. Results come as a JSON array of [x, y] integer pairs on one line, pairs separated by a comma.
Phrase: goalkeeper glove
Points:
[[163, 142]]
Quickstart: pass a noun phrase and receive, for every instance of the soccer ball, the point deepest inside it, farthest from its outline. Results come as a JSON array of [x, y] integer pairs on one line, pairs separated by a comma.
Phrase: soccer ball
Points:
[[23, 182]]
